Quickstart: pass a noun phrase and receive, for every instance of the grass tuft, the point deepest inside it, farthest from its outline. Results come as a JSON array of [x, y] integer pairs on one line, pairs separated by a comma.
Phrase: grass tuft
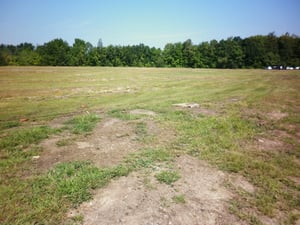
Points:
[[10, 124], [83, 124], [123, 114], [63, 142], [26, 137], [167, 177], [179, 199], [146, 158], [45, 199]]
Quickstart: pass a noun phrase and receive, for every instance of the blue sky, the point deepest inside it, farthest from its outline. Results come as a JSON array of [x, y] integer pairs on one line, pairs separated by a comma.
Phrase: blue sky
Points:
[[152, 22]]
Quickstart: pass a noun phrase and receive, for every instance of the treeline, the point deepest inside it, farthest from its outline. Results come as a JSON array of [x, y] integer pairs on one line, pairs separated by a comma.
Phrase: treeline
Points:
[[234, 52]]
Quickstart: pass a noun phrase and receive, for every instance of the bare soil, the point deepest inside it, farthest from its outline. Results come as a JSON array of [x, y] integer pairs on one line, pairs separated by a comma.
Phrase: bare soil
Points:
[[141, 199], [142, 112], [110, 142], [195, 109]]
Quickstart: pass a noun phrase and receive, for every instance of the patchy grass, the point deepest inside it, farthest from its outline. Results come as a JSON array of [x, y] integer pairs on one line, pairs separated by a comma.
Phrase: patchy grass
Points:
[[17, 150], [147, 158], [226, 141], [25, 137], [142, 133], [45, 199], [83, 124], [75, 180], [244, 100], [179, 199], [219, 140], [19, 146], [10, 124], [64, 142], [167, 177], [123, 114]]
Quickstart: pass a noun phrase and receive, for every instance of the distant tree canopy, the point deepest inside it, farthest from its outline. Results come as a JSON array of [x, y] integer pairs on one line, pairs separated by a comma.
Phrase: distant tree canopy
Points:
[[234, 52]]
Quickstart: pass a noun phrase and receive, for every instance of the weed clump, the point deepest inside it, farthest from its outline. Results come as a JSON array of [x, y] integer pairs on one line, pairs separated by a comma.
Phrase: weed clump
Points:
[[167, 177], [179, 199], [83, 124]]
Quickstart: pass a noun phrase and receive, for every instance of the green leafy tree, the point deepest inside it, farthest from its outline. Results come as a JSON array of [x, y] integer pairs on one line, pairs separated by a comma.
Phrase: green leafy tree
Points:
[[230, 53], [173, 55], [190, 58], [289, 47], [78, 53], [208, 52], [272, 56], [255, 51], [26, 55], [55, 53]]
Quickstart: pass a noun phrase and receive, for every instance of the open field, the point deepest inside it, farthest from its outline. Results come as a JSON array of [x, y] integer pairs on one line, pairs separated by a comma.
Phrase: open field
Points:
[[83, 145]]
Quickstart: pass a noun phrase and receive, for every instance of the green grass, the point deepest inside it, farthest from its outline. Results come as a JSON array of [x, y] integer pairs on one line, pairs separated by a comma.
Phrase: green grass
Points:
[[25, 137], [167, 177], [45, 199], [148, 157], [218, 139], [123, 114], [179, 199], [63, 142], [10, 124], [83, 124], [142, 133], [242, 100], [19, 146]]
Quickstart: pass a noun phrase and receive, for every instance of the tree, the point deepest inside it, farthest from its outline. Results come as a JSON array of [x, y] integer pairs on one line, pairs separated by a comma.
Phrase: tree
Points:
[[289, 50], [230, 53], [78, 52], [208, 53], [55, 53], [173, 55], [189, 58], [100, 43], [255, 51], [4, 54]]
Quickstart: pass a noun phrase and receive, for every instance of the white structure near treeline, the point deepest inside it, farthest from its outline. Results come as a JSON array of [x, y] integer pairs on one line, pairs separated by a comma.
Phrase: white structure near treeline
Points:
[[282, 68]]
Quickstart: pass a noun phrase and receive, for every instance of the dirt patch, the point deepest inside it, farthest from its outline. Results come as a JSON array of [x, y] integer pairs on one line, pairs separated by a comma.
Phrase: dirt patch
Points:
[[269, 144], [142, 112], [296, 180], [162, 135], [203, 111], [240, 182], [59, 122], [187, 105], [91, 90], [195, 109], [276, 115], [110, 142], [141, 199]]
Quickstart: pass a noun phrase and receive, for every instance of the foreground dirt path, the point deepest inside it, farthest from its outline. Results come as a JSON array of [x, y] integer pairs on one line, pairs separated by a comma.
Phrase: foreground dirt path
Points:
[[141, 199], [198, 197]]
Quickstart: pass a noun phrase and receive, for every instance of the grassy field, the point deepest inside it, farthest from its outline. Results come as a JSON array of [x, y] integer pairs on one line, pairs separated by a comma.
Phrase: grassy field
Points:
[[247, 123]]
